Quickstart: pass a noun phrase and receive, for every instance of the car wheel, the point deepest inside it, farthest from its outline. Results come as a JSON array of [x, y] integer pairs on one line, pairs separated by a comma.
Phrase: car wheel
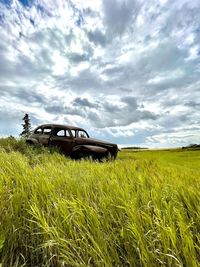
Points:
[[30, 143], [109, 156]]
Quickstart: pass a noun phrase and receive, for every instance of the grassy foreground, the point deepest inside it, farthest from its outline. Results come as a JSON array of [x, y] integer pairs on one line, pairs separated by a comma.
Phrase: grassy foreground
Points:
[[141, 210]]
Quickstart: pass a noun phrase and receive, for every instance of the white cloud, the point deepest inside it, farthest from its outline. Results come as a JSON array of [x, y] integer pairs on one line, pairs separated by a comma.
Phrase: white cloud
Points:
[[167, 76], [173, 139], [60, 66]]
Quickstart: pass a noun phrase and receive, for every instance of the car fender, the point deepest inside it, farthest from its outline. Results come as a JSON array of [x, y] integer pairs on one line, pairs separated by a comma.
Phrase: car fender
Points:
[[89, 149], [32, 141]]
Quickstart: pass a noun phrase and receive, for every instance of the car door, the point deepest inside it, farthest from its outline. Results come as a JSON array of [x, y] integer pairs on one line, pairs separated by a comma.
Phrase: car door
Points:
[[44, 137], [82, 138], [37, 133], [62, 138]]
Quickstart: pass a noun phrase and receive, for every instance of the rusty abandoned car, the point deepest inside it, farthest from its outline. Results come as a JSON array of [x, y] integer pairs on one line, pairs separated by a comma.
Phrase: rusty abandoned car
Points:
[[72, 141]]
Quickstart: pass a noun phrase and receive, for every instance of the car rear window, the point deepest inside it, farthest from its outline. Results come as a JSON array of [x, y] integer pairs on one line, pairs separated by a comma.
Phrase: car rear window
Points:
[[38, 131]]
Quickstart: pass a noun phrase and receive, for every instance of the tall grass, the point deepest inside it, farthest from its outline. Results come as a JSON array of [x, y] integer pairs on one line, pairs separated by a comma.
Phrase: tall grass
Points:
[[141, 210]]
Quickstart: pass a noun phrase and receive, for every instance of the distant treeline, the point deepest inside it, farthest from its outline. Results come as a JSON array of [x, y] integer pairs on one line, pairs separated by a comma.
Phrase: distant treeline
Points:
[[193, 146], [134, 147]]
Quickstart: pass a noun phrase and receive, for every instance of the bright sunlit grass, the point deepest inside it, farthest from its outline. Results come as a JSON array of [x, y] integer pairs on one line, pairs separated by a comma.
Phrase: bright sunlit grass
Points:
[[140, 210]]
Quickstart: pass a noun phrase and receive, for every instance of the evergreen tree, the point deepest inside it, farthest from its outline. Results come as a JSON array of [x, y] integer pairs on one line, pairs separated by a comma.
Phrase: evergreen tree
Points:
[[26, 126]]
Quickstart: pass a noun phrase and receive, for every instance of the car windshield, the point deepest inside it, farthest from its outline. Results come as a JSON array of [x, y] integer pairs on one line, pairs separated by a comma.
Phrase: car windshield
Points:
[[81, 134]]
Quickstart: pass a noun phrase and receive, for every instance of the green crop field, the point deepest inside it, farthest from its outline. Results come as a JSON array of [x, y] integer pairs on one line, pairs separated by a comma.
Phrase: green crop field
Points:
[[141, 210]]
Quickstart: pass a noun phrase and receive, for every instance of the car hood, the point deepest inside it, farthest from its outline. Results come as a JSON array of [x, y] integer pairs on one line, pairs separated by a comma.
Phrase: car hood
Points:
[[100, 142]]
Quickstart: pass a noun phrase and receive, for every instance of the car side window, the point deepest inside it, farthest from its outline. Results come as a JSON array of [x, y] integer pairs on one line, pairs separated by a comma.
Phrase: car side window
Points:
[[38, 131], [47, 130], [67, 133], [73, 133], [60, 133]]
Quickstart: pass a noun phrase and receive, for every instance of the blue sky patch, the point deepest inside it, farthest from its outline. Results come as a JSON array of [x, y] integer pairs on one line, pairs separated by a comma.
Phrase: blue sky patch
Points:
[[26, 3], [42, 10], [6, 2]]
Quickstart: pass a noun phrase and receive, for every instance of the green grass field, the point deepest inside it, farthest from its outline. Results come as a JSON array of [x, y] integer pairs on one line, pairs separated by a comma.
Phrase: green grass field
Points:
[[141, 210]]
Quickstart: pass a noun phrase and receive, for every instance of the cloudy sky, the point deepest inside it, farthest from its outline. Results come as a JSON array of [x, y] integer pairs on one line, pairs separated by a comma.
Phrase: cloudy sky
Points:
[[128, 71]]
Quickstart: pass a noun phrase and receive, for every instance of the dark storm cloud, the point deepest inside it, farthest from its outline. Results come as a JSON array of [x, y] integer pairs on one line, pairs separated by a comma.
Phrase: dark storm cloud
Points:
[[125, 90], [120, 119], [118, 115], [53, 38], [118, 14], [79, 106], [76, 58], [55, 108], [130, 101], [102, 113], [61, 109], [181, 16], [161, 68], [97, 37], [85, 80], [25, 96], [84, 102], [192, 104], [24, 67], [115, 70], [110, 107]]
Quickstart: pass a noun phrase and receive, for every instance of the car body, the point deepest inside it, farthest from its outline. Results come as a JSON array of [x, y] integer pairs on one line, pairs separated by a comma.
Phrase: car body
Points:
[[72, 141]]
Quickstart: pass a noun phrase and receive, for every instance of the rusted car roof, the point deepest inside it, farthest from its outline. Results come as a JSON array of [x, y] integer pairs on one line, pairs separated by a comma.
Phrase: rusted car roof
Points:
[[62, 126]]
